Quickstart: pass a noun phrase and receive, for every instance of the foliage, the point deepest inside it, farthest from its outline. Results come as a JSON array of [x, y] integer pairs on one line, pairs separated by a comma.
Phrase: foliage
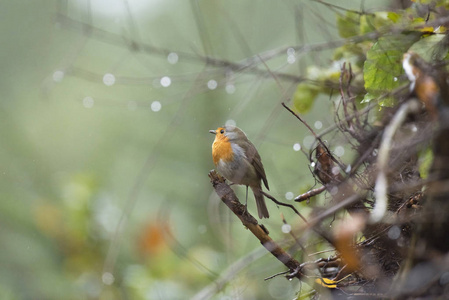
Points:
[[383, 68], [377, 60]]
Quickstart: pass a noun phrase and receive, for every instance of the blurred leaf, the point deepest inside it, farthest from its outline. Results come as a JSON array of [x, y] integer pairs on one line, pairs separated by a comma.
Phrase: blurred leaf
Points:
[[48, 219], [425, 161], [443, 3], [366, 23], [427, 29], [352, 53], [384, 64], [368, 97], [153, 239], [372, 22], [348, 25], [331, 73], [393, 16], [440, 29], [326, 282], [382, 19], [418, 21], [304, 97]]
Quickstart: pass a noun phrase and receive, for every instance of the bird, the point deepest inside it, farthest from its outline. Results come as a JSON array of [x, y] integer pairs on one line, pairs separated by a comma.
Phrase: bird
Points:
[[428, 83], [237, 159]]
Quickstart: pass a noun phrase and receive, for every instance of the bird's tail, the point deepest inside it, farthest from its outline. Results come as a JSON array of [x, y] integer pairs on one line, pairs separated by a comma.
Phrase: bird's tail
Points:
[[260, 201]]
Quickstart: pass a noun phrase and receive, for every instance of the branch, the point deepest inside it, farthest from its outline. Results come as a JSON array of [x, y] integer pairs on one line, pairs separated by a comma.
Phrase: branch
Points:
[[310, 194], [229, 198]]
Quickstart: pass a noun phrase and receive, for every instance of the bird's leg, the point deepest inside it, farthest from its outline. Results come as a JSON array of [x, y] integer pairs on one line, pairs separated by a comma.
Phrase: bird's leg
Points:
[[246, 200]]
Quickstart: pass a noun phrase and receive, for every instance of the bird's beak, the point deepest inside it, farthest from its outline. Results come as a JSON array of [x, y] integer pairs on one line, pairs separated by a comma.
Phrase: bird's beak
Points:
[[212, 131]]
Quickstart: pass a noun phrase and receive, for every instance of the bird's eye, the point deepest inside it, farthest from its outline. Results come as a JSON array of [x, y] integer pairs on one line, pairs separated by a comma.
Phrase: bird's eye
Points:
[[222, 131]]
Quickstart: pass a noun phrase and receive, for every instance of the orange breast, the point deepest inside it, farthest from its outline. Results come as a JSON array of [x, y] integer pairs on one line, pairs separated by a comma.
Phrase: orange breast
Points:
[[221, 149], [427, 91]]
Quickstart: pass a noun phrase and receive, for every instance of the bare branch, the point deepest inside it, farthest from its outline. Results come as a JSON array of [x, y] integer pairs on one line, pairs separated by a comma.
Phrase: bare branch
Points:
[[309, 194]]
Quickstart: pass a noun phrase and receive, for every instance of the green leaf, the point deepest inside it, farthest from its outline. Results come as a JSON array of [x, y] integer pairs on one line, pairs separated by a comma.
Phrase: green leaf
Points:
[[367, 98], [395, 17], [428, 47], [304, 97], [383, 65], [348, 25]]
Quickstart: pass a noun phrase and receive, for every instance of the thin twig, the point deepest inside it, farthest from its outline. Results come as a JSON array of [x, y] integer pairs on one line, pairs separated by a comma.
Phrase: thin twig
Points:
[[314, 134], [361, 13], [305, 124], [284, 204], [275, 275]]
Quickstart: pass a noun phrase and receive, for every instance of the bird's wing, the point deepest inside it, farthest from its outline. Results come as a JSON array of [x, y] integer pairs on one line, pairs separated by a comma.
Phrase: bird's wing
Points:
[[254, 158]]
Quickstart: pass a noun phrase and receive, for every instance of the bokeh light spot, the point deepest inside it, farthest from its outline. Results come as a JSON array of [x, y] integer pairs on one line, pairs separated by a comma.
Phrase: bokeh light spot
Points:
[[394, 232], [172, 58], [58, 76], [308, 141], [339, 151], [334, 190], [335, 170], [107, 278], [286, 228], [108, 79], [88, 102], [230, 88], [165, 81], [291, 59], [156, 106], [212, 84]]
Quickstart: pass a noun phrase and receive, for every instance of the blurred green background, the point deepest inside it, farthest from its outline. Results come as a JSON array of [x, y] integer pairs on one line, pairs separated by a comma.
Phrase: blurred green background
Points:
[[104, 117]]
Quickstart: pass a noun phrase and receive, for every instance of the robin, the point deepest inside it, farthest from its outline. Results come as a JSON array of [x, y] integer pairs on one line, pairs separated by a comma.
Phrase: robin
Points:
[[237, 159], [427, 82]]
